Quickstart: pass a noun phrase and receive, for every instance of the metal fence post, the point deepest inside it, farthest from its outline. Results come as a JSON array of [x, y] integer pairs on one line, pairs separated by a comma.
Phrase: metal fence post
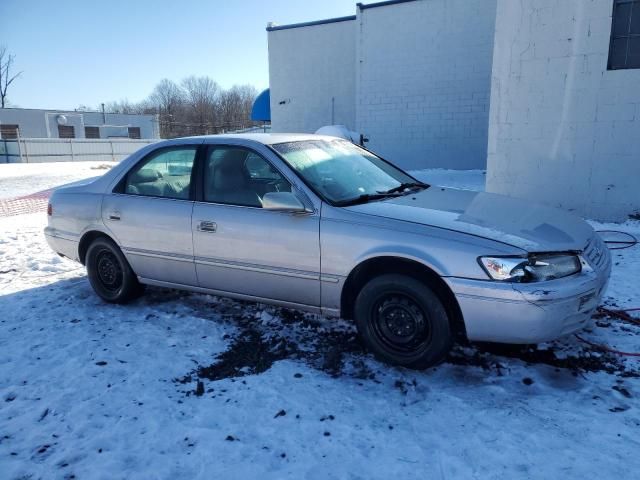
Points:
[[71, 147], [19, 147], [26, 150]]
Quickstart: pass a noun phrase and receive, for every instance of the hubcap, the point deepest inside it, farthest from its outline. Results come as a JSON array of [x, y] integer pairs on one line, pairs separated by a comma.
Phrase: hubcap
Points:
[[109, 270], [400, 324]]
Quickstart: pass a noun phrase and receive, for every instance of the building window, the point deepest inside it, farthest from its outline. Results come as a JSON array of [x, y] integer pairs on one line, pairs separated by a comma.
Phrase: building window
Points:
[[624, 49], [134, 132], [66, 131], [8, 132], [91, 132]]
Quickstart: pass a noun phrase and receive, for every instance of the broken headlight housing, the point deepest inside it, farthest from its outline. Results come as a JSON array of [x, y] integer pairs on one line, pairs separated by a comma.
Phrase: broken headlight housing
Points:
[[536, 268]]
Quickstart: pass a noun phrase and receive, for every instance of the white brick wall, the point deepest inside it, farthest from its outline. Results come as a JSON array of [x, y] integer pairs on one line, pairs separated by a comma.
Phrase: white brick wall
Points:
[[423, 81], [563, 130], [309, 66]]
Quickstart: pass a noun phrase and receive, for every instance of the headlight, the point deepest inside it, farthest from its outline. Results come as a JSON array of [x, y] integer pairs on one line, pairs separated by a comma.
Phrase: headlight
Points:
[[536, 268]]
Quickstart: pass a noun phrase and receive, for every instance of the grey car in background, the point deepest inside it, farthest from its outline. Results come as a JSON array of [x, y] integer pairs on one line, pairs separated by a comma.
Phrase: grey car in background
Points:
[[317, 223]]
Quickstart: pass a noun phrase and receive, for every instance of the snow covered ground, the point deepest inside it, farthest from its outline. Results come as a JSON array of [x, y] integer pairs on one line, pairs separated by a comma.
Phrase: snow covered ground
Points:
[[17, 179], [89, 390], [466, 179]]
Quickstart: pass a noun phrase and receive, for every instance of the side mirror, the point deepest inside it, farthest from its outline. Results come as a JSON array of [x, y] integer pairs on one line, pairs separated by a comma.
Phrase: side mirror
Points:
[[282, 202]]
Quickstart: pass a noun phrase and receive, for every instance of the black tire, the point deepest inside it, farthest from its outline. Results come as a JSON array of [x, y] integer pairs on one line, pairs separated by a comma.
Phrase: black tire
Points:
[[110, 274], [403, 322]]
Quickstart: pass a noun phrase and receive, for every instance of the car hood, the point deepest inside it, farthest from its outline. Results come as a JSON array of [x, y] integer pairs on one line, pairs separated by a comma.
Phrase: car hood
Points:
[[526, 225]]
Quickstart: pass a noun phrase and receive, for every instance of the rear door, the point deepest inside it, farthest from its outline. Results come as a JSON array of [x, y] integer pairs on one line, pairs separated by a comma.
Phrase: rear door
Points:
[[149, 215], [244, 249]]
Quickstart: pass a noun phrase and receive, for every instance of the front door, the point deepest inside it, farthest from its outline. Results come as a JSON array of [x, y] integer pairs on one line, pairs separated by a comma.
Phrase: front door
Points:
[[244, 249], [149, 215]]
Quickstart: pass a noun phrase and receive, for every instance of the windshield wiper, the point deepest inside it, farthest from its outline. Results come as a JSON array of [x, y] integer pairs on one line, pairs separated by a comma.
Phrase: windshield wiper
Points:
[[367, 197], [392, 192], [406, 186]]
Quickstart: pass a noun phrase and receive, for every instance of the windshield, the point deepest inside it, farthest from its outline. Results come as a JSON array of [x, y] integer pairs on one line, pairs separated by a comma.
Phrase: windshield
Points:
[[342, 172]]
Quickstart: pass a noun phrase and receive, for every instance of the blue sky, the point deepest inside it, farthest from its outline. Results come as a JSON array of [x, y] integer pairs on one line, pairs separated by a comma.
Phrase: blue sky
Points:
[[86, 52]]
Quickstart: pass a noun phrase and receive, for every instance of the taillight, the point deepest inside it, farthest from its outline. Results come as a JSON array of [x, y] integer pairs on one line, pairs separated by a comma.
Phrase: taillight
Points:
[[49, 209]]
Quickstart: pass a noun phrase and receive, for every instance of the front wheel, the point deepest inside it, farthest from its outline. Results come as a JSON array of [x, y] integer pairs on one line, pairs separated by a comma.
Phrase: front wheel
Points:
[[110, 274], [403, 322]]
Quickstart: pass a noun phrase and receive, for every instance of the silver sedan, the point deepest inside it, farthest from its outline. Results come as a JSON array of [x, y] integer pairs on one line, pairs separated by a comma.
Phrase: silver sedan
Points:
[[317, 223]]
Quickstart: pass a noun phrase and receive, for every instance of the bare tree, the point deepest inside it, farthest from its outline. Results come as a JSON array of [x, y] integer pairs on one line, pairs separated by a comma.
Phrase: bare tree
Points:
[[147, 107], [123, 106], [6, 79], [168, 98], [229, 104], [248, 94], [235, 106], [194, 107], [201, 98]]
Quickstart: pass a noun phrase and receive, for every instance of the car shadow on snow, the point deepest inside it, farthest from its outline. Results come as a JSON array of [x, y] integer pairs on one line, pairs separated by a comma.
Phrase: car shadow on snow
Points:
[[266, 334]]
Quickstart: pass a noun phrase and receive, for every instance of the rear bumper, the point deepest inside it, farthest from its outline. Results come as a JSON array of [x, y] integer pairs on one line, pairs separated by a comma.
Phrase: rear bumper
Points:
[[529, 313], [62, 243]]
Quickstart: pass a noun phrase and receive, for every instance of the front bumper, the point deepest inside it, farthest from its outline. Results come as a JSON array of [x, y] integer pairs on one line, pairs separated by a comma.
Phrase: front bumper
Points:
[[531, 312]]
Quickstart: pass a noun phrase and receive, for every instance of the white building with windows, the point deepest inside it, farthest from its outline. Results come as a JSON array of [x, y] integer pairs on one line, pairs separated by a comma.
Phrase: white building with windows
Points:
[[543, 93], [35, 123], [30, 135]]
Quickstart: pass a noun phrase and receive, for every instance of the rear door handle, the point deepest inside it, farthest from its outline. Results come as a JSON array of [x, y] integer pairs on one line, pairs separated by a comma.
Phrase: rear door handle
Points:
[[207, 226], [114, 216]]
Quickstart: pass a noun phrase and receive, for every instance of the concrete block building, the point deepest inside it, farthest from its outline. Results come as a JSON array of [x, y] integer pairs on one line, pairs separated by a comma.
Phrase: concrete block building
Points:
[[313, 71], [564, 125], [545, 94], [414, 76]]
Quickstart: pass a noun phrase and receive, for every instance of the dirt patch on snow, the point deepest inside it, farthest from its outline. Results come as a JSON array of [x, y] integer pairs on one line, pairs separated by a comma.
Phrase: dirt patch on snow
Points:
[[249, 354], [333, 347], [285, 335]]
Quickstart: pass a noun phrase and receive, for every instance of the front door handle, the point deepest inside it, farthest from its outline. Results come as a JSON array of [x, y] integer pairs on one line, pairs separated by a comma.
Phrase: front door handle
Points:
[[114, 216], [207, 226]]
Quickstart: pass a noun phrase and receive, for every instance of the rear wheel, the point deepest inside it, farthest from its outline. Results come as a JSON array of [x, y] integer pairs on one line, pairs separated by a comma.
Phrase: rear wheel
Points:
[[403, 322], [110, 274]]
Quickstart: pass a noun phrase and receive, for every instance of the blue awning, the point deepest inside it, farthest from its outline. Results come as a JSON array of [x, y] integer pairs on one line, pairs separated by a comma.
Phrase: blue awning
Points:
[[261, 110]]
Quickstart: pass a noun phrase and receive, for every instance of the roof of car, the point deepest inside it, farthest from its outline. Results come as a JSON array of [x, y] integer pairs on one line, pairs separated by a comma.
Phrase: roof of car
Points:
[[268, 138]]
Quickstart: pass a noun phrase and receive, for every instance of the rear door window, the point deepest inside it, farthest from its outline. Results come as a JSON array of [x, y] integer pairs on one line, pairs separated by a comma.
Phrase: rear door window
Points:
[[165, 174]]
